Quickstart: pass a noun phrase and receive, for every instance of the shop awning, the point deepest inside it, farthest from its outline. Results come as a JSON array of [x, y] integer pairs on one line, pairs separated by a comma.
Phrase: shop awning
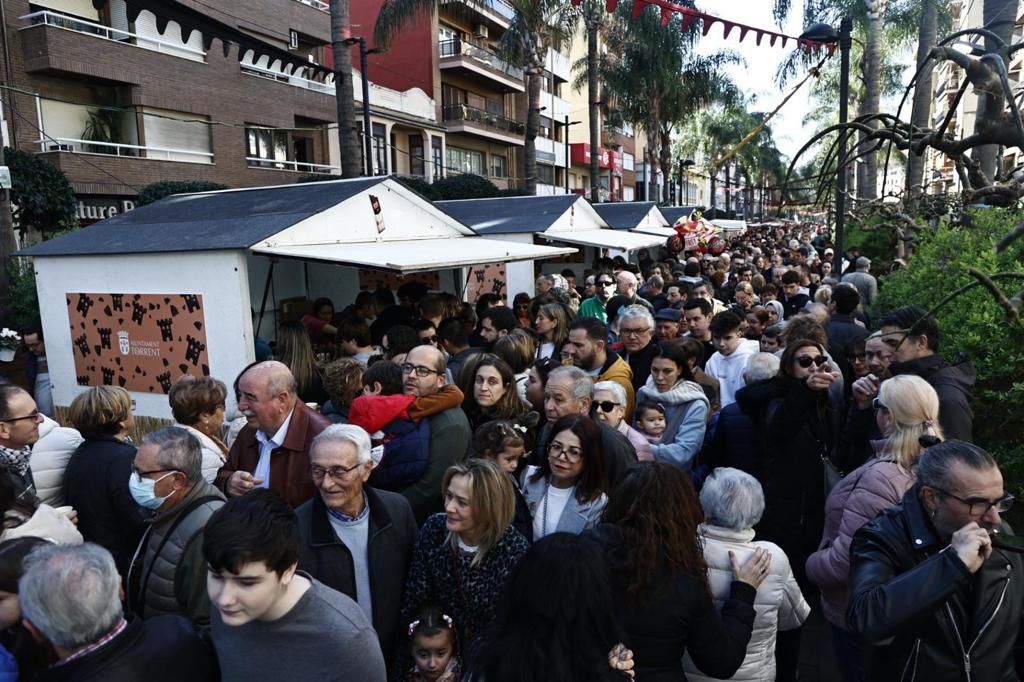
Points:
[[621, 240], [417, 255], [663, 232]]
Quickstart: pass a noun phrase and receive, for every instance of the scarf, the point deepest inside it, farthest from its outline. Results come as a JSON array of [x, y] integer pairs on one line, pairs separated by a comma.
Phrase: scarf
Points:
[[16, 460]]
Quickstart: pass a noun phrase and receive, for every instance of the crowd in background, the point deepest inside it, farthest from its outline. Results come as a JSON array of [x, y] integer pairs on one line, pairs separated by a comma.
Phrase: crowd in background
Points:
[[655, 470]]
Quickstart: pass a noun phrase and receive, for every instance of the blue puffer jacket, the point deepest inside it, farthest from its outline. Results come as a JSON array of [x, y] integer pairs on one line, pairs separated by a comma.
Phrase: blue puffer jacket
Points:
[[686, 418]]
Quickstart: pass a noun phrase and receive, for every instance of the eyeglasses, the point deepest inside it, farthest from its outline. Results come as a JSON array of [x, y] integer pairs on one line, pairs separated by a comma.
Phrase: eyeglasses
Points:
[[34, 416], [337, 473], [571, 455], [150, 472], [638, 331], [806, 361], [420, 370], [877, 405], [979, 508], [429, 339], [607, 405], [605, 283]]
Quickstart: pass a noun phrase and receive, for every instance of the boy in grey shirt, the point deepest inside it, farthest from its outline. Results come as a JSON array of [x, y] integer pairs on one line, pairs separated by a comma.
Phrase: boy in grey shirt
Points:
[[270, 621]]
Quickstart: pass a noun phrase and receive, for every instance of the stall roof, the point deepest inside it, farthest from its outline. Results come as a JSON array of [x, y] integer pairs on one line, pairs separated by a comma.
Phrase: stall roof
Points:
[[204, 221], [674, 213], [511, 215], [631, 215], [365, 222], [622, 240]]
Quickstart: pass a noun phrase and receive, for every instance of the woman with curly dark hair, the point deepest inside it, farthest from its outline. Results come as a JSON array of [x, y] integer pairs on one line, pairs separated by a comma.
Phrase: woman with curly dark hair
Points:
[[664, 603]]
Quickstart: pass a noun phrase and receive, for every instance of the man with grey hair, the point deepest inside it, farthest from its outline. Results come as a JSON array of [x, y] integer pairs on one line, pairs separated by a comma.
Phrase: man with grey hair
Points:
[[636, 330], [867, 285], [168, 573], [271, 449], [355, 538], [568, 391], [70, 597], [627, 284], [737, 441]]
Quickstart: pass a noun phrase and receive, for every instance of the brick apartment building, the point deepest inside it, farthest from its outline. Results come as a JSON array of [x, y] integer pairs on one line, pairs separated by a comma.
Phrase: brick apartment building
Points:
[[480, 99], [118, 101]]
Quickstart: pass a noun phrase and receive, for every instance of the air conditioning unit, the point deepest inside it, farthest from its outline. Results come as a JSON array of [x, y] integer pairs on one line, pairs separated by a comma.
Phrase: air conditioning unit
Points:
[[480, 31]]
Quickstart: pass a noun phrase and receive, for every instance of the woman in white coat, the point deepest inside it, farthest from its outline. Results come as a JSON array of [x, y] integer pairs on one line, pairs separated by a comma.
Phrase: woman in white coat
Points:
[[733, 502], [50, 455], [198, 406]]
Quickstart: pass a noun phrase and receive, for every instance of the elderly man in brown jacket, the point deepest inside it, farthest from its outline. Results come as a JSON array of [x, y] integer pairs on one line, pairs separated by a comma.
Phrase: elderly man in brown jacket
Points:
[[272, 450]]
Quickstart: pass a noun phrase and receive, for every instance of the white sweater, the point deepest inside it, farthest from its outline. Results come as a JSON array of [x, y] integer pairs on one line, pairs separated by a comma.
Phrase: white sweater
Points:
[[50, 456], [728, 369]]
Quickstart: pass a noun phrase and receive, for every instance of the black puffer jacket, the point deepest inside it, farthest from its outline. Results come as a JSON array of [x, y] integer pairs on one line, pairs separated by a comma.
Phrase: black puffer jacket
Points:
[[929, 617], [953, 384]]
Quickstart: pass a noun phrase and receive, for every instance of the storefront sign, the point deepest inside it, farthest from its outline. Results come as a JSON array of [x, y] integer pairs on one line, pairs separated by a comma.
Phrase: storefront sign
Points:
[[486, 279], [607, 158], [95, 208], [140, 342]]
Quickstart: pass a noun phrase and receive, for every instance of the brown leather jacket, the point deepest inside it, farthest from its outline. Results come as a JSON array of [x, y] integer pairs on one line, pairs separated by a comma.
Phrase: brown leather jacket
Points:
[[289, 464]]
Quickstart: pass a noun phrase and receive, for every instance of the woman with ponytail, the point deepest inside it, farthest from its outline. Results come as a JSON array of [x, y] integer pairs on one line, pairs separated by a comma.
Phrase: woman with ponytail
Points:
[[907, 412]]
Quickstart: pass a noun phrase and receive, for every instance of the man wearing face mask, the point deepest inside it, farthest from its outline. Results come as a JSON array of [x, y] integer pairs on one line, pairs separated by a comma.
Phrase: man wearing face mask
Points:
[[168, 572], [604, 288]]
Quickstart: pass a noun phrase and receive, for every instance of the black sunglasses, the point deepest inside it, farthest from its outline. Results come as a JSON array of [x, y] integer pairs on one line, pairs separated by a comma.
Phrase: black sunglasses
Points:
[[606, 405], [807, 360]]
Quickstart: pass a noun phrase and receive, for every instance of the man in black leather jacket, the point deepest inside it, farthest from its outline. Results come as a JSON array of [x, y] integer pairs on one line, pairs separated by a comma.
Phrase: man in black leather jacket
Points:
[[928, 590]]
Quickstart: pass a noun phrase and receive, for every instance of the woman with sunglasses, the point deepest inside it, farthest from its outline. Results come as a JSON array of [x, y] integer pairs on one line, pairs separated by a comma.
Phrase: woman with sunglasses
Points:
[[798, 436], [566, 493], [907, 413], [610, 407]]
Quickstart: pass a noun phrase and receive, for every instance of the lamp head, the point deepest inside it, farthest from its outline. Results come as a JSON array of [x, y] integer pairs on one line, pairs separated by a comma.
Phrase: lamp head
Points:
[[820, 33]]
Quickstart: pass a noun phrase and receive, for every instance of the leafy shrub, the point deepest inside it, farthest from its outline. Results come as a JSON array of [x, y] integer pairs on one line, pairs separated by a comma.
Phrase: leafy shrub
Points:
[[21, 304], [877, 243], [973, 324], [512, 193], [317, 177], [44, 197], [420, 186], [159, 190], [465, 186]]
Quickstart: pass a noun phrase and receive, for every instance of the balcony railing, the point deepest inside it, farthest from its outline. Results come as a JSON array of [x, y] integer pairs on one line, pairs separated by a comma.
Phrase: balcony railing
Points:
[[322, 6], [285, 164], [325, 87], [47, 18], [486, 119], [458, 47], [70, 144]]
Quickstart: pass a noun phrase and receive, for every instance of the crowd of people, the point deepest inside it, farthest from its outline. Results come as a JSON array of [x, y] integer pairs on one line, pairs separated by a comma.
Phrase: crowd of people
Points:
[[654, 473]]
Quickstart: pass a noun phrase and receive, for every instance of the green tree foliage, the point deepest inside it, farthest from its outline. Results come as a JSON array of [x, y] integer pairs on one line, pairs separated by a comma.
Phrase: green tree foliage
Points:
[[21, 304], [974, 325], [317, 177], [465, 186], [159, 190], [43, 196], [420, 186]]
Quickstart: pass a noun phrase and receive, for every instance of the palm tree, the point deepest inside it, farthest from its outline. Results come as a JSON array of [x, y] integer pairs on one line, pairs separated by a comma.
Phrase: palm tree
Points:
[[594, 19], [348, 141], [926, 39], [998, 16]]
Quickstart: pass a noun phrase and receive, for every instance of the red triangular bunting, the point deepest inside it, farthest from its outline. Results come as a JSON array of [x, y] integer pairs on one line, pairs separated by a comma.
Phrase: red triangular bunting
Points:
[[688, 19], [760, 35], [666, 14], [830, 49], [729, 26], [771, 42], [784, 40], [707, 23], [638, 7], [743, 32], [610, 5]]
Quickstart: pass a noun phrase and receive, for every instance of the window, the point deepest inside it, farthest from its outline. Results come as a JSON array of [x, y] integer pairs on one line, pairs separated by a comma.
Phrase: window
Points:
[[416, 164], [380, 149], [545, 174], [499, 166], [465, 160], [627, 161], [264, 147], [436, 157]]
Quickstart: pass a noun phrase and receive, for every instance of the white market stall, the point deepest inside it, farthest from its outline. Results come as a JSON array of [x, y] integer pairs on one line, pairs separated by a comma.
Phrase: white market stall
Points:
[[644, 217], [177, 286], [564, 218]]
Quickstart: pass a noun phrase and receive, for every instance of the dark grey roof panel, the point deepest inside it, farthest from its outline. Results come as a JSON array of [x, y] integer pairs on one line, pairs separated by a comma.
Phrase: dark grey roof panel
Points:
[[674, 213], [206, 221], [506, 215], [624, 215]]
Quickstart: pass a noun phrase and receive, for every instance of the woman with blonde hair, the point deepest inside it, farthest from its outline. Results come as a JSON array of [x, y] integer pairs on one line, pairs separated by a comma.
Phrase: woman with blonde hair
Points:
[[907, 412], [464, 556], [295, 351], [96, 479], [552, 325]]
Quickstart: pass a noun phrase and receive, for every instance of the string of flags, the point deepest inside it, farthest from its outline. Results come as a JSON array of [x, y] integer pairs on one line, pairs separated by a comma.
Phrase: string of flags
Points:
[[690, 15]]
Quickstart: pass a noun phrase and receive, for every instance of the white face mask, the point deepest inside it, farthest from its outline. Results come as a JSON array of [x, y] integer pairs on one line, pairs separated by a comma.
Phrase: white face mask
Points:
[[143, 490]]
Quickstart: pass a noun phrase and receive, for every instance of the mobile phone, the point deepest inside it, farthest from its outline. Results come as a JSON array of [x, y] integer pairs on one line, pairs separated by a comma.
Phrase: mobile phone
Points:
[[1010, 543]]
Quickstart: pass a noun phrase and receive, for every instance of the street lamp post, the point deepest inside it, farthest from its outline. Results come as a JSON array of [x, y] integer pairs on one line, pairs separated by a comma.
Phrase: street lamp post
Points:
[[567, 164], [823, 33], [683, 165], [367, 130]]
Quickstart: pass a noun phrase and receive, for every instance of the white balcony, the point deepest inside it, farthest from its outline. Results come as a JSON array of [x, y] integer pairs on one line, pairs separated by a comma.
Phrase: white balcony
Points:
[[285, 164], [557, 108], [316, 4], [549, 146], [326, 87], [412, 102], [465, 56], [78, 146], [558, 64], [64, 22]]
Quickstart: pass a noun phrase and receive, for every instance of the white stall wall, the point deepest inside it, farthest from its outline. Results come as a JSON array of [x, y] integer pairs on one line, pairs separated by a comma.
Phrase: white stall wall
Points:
[[220, 276], [520, 274]]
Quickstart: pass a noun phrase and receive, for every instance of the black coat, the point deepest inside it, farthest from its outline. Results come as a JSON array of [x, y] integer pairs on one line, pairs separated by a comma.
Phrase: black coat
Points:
[[796, 426], [159, 649], [843, 332], [914, 598], [676, 615], [640, 363], [96, 485], [393, 532], [738, 441]]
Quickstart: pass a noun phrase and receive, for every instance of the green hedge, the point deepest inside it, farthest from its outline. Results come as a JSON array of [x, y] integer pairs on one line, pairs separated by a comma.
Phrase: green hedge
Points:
[[973, 324], [465, 186], [165, 188]]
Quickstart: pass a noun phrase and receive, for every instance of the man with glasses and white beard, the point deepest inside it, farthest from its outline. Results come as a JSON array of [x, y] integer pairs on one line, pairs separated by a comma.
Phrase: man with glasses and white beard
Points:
[[604, 289]]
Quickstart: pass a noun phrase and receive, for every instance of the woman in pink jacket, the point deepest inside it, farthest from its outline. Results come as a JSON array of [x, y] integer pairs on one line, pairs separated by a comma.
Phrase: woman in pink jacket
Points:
[[907, 412]]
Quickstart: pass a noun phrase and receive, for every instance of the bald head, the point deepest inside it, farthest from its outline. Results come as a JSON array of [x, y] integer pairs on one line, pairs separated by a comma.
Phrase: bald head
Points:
[[267, 395]]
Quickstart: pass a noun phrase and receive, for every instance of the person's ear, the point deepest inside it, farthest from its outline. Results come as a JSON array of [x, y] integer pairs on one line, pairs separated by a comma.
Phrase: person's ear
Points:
[[585, 405], [34, 631], [289, 573]]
